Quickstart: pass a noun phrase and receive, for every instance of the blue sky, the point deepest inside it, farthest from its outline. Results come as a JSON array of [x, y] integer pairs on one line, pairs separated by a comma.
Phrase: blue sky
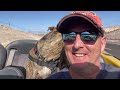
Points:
[[39, 21]]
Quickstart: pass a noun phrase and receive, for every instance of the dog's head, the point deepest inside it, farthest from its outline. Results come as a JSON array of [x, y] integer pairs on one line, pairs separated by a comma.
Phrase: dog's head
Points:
[[48, 48]]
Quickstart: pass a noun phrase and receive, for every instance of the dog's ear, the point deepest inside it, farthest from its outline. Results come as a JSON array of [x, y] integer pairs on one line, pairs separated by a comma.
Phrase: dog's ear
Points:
[[63, 60], [52, 28]]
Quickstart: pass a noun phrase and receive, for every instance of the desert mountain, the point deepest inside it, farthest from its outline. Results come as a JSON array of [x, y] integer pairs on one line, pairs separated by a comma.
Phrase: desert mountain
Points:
[[8, 35], [113, 33], [111, 28]]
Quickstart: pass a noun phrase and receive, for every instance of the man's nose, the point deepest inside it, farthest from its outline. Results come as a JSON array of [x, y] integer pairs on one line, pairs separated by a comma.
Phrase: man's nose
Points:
[[78, 43]]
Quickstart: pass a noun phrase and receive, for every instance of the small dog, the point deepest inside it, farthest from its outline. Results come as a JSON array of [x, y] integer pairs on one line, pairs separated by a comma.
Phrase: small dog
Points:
[[45, 56]]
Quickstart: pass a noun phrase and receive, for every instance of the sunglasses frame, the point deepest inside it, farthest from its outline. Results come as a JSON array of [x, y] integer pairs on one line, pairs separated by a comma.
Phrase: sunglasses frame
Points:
[[91, 36]]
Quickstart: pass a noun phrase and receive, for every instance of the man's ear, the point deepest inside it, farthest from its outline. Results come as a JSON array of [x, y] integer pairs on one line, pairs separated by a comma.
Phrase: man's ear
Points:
[[103, 43]]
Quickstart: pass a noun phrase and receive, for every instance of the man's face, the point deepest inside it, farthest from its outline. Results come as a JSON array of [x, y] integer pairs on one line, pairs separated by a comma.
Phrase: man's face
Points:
[[82, 53]]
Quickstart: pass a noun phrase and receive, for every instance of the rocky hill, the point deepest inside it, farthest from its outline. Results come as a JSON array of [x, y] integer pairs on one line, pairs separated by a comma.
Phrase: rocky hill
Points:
[[8, 35], [111, 28], [113, 33]]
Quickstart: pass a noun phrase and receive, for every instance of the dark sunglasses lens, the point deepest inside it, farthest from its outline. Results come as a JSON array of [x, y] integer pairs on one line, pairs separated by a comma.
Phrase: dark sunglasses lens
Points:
[[88, 37], [69, 38]]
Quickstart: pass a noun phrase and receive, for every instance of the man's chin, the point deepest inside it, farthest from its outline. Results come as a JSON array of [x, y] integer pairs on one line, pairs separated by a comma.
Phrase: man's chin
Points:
[[80, 65], [80, 60]]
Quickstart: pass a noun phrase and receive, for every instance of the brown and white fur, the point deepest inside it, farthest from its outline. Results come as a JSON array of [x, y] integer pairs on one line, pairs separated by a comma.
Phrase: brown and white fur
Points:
[[51, 45]]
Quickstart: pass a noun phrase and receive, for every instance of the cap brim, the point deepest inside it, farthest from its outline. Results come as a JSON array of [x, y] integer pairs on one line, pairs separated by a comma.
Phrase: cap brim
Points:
[[66, 21]]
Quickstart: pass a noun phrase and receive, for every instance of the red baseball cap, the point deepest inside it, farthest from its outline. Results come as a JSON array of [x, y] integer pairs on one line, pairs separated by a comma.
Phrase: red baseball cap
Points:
[[90, 16]]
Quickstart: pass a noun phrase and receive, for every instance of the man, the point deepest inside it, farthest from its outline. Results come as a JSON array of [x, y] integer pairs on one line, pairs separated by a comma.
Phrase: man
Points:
[[84, 41]]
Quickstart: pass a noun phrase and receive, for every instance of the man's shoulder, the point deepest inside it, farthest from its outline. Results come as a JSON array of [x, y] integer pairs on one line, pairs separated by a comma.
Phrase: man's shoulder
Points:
[[110, 68], [62, 74], [110, 72]]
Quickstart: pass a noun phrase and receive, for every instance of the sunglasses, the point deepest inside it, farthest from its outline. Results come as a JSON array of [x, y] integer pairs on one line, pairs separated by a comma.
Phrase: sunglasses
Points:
[[86, 36]]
